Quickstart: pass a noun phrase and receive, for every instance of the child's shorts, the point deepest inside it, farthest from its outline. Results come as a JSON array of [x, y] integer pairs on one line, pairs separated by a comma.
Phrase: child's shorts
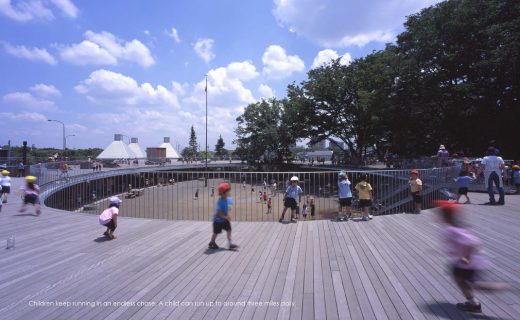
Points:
[[417, 198], [31, 198], [290, 203], [219, 226], [5, 189], [463, 191], [470, 275], [365, 203], [345, 202]]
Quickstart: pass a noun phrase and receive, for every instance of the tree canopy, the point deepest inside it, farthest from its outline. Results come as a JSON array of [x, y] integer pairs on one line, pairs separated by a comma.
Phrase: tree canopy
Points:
[[451, 78]]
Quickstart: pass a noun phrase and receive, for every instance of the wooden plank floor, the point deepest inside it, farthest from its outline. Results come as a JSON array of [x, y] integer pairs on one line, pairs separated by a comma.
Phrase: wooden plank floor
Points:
[[393, 267]]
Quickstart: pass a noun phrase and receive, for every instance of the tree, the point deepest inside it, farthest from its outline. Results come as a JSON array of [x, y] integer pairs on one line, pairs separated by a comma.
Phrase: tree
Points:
[[460, 69], [192, 145], [219, 148], [345, 103], [264, 132]]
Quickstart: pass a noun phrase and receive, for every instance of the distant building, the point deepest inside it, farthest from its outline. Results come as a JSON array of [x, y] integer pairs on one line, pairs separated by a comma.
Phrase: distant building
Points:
[[156, 154], [136, 148], [322, 154], [320, 145], [116, 150], [171, 153]]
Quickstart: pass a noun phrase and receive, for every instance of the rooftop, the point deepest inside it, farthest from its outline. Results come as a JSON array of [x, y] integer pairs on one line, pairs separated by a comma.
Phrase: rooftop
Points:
[[392, 267]]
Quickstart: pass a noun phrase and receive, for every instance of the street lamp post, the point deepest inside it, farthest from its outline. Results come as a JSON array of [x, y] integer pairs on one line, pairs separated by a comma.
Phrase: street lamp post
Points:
[[69, 135], [206, 163], [64, 139]]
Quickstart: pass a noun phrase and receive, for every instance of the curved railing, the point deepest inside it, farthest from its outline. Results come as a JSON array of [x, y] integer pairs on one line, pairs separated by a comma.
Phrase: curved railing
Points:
[[174, 194]]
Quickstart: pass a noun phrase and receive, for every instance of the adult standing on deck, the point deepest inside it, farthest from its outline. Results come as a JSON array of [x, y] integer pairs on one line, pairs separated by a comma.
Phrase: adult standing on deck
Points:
[[492, 166], [21, 169], [442, 156]]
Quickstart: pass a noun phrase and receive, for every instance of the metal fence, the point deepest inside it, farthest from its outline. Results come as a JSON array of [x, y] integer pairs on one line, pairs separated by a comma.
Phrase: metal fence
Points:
[[168, 193]]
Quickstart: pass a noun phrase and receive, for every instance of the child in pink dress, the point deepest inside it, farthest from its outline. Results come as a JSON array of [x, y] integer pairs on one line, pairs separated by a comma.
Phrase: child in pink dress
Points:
[[466, 258]]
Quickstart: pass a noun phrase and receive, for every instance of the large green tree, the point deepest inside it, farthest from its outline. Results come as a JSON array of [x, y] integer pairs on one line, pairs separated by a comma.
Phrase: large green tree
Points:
[[264, 132], [459, 76]]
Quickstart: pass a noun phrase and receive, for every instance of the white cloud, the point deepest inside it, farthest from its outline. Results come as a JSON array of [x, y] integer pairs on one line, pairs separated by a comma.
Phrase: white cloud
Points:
[[34, 54], [174, 35], [147, 32], [44, 90], [266, 91], [326, 56], [204, 49], [105, 86], [28, 10], [24, 11], [179, 88], [23, 116], [86, 53], [106, 49], [27, 100], [67, 7], [339, 23], [227, 97], [277, 64]]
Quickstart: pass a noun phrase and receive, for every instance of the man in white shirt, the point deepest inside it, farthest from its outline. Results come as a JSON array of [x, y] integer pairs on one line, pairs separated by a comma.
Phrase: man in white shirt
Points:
[[492, 167]]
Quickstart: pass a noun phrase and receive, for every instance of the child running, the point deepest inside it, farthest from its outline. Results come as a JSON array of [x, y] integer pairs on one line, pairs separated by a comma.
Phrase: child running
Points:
[[292, 194], [222, 217], [108, 217], [416, 189], [31, 194], [364, 191], [463, 181], [345, 197], [466, 259], [5, 182]]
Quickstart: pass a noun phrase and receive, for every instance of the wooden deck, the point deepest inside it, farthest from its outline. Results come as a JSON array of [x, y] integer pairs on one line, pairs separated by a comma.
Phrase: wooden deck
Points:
[[392, 267]]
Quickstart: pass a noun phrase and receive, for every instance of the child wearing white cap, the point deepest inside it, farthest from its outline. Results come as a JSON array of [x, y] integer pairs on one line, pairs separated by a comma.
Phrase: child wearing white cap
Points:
[[108, 218], [292, 198]]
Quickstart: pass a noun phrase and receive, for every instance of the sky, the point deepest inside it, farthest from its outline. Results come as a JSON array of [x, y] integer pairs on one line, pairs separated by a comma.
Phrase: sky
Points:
[[139, 67]]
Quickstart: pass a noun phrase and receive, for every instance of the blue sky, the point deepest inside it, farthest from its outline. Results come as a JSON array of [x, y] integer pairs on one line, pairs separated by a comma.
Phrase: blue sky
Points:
[[138, 67]]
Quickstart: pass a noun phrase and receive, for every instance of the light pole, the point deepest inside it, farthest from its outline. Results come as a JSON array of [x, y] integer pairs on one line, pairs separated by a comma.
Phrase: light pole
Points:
[[206, 163], [64, 139], [69, 135]]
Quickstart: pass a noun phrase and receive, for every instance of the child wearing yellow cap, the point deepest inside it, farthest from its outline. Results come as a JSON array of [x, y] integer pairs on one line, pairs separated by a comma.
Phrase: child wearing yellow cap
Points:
[[5, 182], [31, 194]]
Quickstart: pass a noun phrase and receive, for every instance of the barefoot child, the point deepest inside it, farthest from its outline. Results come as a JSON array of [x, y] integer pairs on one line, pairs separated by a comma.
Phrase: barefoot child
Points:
[[31, 194], [108, 218], [269, 205], [5, 182], [292, 194], [345, 197], [416, 189], [222, 217], [466, 259], [463, 181], [364, 191]]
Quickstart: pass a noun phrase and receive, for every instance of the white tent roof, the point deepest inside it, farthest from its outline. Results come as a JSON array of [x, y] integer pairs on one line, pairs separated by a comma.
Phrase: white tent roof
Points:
[[170, 151], [117, 150], [136, 148]]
